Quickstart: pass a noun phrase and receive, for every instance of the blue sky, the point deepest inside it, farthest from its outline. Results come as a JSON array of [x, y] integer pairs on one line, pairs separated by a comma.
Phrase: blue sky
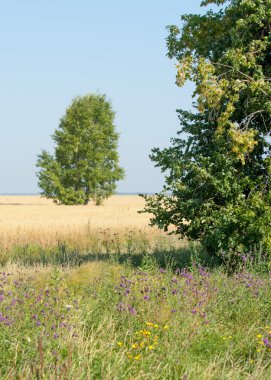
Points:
[[52, 51]]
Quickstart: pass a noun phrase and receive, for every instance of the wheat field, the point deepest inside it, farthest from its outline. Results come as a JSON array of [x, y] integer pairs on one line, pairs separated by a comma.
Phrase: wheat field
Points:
[[38, 221]]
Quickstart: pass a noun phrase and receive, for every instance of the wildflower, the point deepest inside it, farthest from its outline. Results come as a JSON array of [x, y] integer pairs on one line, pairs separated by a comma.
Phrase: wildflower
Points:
[[224, 338], [259, 336], [146, 332], [149, 324], [267, 343], [120, 344], [137, 357], [151, 347], [132, 310], [259, 350], [135, 345], [251, 361], [156, 326], [166, 327]]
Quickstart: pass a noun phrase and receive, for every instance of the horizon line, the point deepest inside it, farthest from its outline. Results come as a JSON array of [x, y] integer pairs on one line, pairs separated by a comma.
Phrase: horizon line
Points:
[[117, 193]]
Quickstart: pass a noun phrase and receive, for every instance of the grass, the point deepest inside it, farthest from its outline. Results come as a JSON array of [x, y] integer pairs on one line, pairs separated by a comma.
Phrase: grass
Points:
[[122, 301], [108, 321]]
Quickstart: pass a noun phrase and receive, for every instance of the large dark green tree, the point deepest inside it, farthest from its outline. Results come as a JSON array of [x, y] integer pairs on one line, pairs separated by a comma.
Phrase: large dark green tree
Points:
[[85, 162], [218, 168]]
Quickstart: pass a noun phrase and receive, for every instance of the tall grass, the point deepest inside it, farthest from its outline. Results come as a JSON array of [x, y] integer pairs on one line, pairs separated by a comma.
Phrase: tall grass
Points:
[[108, 321], [114, 299]]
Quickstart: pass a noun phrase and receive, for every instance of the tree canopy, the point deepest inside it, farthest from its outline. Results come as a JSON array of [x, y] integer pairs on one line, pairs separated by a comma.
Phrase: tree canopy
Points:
[[85, 162], [218, 168]]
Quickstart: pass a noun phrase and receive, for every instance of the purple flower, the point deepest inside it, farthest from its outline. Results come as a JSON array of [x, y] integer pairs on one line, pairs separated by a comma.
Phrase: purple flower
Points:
[[146, 297], [132, 310], [267, 342]]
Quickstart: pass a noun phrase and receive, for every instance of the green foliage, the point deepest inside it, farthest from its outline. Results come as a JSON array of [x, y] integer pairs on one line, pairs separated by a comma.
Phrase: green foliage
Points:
[[85, 163], [218, 168]]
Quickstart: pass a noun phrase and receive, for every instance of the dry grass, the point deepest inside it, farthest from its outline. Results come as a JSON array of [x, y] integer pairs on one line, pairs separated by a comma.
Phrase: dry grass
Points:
[[33, 220]]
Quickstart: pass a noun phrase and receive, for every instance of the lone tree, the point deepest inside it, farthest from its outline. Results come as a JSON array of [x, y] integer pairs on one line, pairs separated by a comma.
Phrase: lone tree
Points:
[[218, 168], [85, 164]]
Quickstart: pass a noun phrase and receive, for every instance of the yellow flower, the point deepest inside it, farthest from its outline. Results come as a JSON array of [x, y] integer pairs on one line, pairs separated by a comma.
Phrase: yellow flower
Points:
[[149, 324], [259, 350], [156, 326], [146, 332], [142, 344], [151, 348], [166, 327], [251, 361], [259, 336], [137, 357], [230, 337], [135, 345], [224, 338], [120, 344]]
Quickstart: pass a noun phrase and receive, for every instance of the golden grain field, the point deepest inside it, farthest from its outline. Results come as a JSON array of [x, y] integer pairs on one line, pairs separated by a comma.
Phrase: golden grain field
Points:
[[36, 220]]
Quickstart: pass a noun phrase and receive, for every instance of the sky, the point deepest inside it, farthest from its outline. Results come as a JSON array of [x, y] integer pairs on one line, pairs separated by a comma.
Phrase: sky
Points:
[[52, 51]]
